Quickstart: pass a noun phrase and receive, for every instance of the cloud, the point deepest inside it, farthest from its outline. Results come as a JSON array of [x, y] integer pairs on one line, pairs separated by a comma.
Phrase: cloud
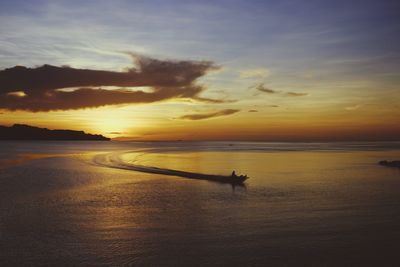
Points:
[[91, 97], [261, 87], [38, 89], [350, 108], [296, 94], [202, 116], [255, 73], [253, 110], [212, 100]]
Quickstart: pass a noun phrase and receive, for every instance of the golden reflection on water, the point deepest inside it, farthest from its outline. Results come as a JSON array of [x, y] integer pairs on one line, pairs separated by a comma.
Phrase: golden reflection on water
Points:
[[265, 167], [108, 216], [22, 158]]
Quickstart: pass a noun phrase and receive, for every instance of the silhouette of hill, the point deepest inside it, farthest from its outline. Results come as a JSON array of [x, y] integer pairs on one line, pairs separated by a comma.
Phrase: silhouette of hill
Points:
[[26, 132]]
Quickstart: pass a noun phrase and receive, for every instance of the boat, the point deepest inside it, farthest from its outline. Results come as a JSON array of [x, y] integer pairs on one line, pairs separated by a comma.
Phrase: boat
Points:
[[394, 163], [238, 178]]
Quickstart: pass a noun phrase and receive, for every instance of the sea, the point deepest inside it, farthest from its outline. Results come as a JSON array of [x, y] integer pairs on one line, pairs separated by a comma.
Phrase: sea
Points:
[[86, 203]]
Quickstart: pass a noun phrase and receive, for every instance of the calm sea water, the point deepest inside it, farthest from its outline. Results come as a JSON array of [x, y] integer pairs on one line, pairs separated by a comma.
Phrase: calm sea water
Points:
[[306, 204]]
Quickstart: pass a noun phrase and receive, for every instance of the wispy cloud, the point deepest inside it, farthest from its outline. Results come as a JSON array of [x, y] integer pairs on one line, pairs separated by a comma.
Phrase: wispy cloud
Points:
[[202, 116], [350, 108], [262, 88], [296, 94], [253, 110], [255, 73], [38, 89]]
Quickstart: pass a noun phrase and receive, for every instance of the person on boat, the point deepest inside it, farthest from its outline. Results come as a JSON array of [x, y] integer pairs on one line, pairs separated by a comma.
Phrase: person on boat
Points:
[[234, 174]]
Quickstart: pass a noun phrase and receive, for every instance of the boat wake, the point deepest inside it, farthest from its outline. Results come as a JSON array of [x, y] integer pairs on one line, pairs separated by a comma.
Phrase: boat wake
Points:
[[115, 160]]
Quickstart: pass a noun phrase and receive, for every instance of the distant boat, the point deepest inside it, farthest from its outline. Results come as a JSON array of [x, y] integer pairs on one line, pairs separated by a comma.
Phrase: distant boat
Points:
[[394, 163], [229, 179]]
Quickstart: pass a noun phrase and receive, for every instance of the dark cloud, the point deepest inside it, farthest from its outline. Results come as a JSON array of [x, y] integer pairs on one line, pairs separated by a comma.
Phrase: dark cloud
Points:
[[90, 97], [261, 87], [212, 100], [253, 110], [202, 116], [38, 89], [296, 94], [273, 106]]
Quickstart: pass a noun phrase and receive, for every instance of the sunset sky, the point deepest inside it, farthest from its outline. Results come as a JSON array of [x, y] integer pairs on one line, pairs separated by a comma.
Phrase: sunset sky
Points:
[[203, 70]]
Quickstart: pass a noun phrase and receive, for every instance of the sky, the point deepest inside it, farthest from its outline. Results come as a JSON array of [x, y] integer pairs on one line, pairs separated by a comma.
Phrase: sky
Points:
[[203, 70]]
